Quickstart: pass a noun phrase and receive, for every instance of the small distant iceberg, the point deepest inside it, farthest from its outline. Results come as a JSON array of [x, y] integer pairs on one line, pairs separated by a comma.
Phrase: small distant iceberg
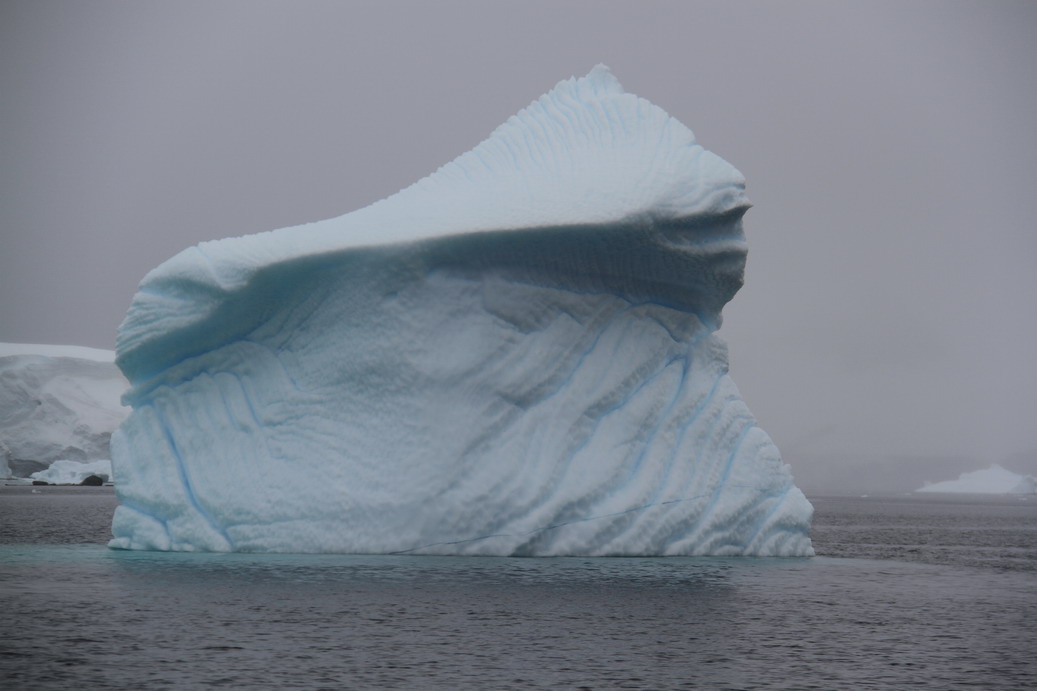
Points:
[[74, 472], [992, 480]]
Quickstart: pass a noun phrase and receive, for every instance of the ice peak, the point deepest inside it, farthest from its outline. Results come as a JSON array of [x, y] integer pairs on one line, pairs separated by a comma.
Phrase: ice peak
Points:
[[600, 79]]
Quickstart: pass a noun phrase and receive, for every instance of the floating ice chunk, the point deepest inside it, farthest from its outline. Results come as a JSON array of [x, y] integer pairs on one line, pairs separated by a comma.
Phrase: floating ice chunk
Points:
[[992, 480], [74, 472], [514, 356]]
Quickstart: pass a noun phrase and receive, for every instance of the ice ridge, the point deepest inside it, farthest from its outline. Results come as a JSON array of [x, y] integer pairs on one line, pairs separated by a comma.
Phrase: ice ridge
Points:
[[514, 356]]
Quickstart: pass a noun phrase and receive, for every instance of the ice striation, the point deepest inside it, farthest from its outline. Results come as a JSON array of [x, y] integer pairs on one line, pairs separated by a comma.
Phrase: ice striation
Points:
[[514, 356]]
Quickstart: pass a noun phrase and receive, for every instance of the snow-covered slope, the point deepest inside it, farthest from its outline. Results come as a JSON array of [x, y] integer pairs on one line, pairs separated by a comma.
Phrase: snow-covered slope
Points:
[[992, 480], [514, 356], [56, 403]]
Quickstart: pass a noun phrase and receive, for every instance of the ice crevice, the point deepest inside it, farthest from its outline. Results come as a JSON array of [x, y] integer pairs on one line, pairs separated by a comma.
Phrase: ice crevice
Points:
[[514, 356], [185, 481]]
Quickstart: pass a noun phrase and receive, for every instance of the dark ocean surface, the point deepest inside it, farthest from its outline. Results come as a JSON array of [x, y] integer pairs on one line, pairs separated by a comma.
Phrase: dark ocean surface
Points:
[[929, 592]]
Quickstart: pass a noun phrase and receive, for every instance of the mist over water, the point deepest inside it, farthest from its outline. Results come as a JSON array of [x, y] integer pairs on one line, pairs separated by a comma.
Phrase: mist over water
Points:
[[925, 593]]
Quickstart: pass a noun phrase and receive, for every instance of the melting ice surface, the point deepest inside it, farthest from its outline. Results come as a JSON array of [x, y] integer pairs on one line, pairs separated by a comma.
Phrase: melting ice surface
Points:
[[514, 356]]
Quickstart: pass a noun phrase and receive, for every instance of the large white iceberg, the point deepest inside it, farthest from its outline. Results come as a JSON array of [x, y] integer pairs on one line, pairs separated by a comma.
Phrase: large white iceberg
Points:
[[514, 356], [56, 403], [992, 480]]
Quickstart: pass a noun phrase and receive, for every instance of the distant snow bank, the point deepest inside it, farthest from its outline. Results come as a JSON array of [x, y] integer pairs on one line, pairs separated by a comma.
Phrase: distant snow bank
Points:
[[57, 403], [74, 472], [79, 352], [992, 480]]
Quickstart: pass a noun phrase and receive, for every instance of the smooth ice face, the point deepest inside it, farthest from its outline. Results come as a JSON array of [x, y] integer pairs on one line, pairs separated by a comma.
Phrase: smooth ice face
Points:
[[514, 356]]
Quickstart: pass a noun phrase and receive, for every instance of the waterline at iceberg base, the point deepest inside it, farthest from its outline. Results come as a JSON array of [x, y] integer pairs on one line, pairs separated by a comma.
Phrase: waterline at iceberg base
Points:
[[514, 356]]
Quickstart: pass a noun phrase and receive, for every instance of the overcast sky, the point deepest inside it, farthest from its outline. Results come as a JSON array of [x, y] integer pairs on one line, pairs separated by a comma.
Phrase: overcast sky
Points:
[[888, 324]]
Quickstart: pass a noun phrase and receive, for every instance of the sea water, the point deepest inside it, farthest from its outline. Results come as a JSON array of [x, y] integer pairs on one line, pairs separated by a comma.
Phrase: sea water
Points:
[[908, 592]]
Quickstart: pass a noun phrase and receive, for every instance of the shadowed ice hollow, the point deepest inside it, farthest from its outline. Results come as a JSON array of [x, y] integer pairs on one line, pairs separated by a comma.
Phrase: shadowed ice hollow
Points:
[[514, 356]]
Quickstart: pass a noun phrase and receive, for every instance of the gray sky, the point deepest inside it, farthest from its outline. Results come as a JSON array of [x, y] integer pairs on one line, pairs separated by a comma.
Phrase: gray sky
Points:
[[886, 331]]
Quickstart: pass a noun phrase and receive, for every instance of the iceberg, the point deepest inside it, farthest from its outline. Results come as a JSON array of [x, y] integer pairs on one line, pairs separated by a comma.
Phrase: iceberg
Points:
[[74, 472], [514, 356], [992, 480], [56, 403]]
